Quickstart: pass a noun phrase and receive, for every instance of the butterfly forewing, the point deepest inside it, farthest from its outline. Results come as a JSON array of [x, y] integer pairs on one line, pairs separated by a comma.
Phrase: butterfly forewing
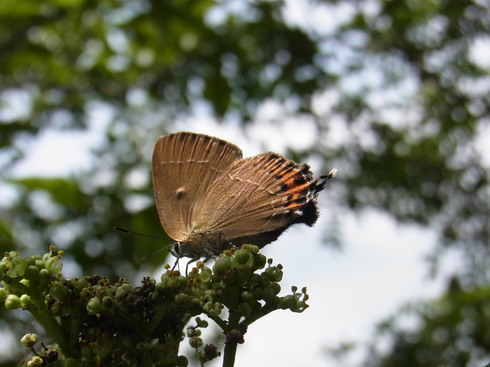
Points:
[[184, 166]]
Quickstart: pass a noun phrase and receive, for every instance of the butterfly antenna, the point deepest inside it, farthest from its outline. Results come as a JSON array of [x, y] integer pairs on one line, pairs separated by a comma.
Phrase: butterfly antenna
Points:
[[140, 234], [164, 248], [144, 258]]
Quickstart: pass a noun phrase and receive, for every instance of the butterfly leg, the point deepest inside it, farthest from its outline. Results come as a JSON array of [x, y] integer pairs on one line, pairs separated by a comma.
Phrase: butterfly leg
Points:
[[222, 239], [190, 262], [176, 264]]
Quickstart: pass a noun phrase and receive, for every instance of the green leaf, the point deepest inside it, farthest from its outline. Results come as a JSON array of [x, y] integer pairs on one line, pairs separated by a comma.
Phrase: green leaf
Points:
[[63, 191]]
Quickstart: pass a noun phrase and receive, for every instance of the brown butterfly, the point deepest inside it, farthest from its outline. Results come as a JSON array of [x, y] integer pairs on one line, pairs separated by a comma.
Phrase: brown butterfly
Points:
[[210, 199]]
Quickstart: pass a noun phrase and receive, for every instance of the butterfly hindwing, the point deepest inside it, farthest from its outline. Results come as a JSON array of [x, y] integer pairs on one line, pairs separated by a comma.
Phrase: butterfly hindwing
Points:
[[257, 198]]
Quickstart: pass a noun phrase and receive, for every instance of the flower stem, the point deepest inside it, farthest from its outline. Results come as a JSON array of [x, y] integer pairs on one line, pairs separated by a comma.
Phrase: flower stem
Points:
[[231, 344], [43, 316], [229, 354]]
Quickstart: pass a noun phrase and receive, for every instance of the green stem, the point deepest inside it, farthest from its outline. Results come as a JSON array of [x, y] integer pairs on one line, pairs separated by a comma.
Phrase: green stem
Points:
[[153, 324], [75, 323], [43, 315], [223, 325], [146, 360], [231, 346], [257, 315], [229, 354], [51, 326]]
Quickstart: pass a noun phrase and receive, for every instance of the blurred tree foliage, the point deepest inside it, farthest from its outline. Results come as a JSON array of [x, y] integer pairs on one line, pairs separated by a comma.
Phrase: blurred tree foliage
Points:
[[453, 332], [403, 80]]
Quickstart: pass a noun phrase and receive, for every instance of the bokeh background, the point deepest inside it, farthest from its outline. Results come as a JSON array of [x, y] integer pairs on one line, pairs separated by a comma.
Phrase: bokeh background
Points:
[[395, 94]]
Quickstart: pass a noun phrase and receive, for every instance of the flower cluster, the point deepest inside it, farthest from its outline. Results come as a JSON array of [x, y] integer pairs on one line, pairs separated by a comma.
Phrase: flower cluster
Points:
[[94, 322], [24, 276], [247, 294]]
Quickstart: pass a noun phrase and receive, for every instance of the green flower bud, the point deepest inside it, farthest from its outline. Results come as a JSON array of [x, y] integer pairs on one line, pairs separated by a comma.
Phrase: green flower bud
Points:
[[127, 287], [288, 301], [276, 287], [53, 265], [12, 302], [300, 306], [195, 342], [44, 274], [55, 307], [213, 308], [268, 294], [13, 265], [230, 277], [201, 323], [258, 293], [3, 294], [182, 298], [244, 274], [25, 301], [123, 291], [274, 273], [222, 265], [259, 261], [193, 332], [251, 248], [59, 291], [78, 284], [206, 274], [108, 301], [28, 340], [86, 292], [208, 295], [94, 306], [32, 272], [181, 361], [244, 259], [171, 279], [248, 297], [45, 258], [35, 361], [97, 288]]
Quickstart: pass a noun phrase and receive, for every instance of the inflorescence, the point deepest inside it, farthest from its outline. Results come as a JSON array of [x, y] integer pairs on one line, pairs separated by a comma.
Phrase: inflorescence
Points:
[[93, 322]]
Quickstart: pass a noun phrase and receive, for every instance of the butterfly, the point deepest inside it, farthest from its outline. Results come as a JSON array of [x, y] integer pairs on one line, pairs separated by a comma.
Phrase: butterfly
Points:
[[209, 199]]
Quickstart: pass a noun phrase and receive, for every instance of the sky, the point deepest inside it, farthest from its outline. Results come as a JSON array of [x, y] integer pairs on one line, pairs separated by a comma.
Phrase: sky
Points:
[[380, 267]]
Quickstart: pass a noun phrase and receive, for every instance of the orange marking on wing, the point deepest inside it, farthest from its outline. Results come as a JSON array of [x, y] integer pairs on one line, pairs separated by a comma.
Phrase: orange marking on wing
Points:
[[296, 187]]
